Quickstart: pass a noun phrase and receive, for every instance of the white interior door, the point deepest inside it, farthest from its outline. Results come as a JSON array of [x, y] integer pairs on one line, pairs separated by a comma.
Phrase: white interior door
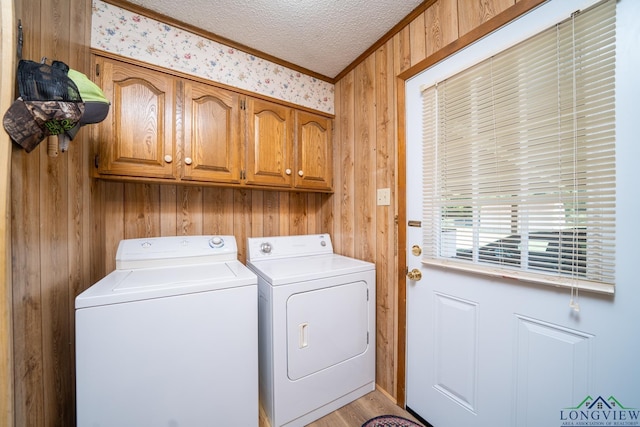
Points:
[[486, 351]]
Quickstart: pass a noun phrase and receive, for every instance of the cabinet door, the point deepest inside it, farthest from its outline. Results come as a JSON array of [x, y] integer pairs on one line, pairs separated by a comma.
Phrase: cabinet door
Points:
[[212, 147], [313, 152], [137, 137], [269, 144]]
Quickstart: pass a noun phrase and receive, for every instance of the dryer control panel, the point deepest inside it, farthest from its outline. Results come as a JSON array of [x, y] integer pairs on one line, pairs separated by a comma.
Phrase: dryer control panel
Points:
[[288, 246]]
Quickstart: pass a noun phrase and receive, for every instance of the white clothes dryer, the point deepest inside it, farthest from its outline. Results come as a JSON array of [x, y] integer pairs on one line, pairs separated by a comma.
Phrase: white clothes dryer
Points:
[[316, 327], [169, 338]]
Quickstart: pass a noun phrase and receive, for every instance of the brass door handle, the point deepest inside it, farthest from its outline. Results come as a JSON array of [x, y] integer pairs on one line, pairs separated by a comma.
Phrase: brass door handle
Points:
[[414, 274]]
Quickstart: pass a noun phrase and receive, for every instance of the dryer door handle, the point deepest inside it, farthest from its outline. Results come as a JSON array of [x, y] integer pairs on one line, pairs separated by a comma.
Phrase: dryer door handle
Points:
[[303, 335]]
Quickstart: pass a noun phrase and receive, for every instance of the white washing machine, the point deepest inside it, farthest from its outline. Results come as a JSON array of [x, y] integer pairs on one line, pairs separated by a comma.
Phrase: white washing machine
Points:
[[316, 327], [169, 338]]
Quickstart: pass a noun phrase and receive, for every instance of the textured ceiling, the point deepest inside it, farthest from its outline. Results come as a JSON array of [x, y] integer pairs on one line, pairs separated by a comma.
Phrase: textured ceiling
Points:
[[323, 36]]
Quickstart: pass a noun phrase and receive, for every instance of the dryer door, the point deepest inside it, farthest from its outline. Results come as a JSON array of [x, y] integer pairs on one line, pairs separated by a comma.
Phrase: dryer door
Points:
[[325, 327]]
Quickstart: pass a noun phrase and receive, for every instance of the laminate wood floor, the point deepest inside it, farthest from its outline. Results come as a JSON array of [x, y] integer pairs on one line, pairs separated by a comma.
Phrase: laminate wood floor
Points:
[[357, 412]]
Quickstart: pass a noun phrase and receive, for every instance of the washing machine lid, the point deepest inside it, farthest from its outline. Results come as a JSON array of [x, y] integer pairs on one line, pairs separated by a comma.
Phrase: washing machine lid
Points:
[[284, 271], [128, 285]]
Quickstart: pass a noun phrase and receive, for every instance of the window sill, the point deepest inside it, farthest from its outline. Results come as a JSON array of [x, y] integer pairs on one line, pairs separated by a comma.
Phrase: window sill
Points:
[[547, 280]]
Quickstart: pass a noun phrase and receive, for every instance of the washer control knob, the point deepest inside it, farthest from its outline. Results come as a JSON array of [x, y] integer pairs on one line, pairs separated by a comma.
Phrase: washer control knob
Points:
[[265, 248], [216, 242]]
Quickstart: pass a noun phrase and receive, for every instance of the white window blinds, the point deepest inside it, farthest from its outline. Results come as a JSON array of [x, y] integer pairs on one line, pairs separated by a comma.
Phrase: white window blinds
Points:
[[519, 159]]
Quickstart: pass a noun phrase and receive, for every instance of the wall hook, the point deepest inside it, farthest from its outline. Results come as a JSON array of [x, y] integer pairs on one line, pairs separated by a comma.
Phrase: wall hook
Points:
[[19, 47]]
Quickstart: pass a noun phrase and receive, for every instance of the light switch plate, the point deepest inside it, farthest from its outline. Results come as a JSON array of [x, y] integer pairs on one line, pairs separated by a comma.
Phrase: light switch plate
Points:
[[384, 196]]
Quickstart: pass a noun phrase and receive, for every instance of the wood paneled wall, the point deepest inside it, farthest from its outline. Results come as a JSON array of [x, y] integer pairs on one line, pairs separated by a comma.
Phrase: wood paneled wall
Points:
[[51, 234], [132, 210], [367, 146], [66, 225]]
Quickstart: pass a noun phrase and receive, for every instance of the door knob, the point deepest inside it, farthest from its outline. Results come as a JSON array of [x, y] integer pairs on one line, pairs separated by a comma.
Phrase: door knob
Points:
[[414, 274]]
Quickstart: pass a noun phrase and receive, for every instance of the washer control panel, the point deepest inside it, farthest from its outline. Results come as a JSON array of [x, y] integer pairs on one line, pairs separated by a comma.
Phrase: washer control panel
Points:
[[174, 250]]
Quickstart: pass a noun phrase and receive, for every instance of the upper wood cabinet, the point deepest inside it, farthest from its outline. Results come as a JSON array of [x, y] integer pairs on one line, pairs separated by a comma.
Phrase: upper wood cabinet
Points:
[[212, 144], [287, 147], [313, 151], [164, 127], [270, 131], [137, 136]]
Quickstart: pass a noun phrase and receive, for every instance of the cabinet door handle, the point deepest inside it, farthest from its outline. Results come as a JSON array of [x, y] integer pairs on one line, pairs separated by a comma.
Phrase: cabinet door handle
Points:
[[168, 158], [188, 160], [287, 171], [300, 172]]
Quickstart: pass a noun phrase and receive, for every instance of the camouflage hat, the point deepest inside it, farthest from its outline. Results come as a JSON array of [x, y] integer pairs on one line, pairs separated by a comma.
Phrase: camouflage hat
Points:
[[30, 122]]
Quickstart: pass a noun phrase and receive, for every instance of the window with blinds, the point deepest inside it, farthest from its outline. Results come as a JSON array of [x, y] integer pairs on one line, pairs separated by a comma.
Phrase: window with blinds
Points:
[[519, 159]]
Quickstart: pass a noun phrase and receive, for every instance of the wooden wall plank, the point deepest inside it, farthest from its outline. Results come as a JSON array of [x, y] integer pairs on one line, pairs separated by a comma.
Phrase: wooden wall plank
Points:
[[54, 238], [441, 23], [169, 210], [242, 220], [54, 287], [114, 223], [385, 219], [190, 214], [271, 207], [257, 213], [365, 160], [141, 210], [284, 214], [345, 194], [314, 216], [402, 51], [418, 39], [26, 271], [328, 217], [8, 27], [334, 202], [473, 13], [218, 207], [97, 241], [80, 238], [298, 216], [27, 306]]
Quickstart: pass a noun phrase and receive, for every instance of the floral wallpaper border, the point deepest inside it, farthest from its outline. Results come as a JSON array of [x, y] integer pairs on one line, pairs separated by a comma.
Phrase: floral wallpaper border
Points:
[[127, 34]]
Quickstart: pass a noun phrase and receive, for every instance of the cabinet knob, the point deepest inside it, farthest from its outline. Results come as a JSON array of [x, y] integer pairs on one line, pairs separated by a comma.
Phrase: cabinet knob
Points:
[[188, 160], [287, 171], [300, 173], [168, 158]]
